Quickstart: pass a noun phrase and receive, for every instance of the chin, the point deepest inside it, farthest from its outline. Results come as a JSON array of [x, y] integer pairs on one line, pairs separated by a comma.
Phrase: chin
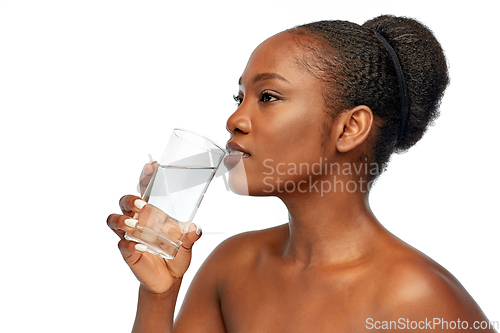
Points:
[[238, 182], [237, 186], [242, 182]]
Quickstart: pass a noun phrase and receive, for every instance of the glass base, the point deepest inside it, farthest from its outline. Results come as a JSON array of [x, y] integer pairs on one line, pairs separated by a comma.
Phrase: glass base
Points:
[[162, 246]]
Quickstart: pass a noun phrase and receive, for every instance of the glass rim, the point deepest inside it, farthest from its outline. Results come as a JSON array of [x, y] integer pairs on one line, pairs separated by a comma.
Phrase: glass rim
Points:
[[175, 130]]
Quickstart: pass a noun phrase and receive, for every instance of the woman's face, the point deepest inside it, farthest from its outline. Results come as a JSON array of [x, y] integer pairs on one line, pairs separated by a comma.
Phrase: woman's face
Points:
[[281, 122]]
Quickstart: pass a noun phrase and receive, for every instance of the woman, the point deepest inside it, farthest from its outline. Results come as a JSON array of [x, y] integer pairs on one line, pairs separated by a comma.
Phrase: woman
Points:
[[321, 108]]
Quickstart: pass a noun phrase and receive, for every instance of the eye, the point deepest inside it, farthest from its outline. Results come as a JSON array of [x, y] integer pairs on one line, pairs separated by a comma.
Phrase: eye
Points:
[[267, 96], [238, 99]]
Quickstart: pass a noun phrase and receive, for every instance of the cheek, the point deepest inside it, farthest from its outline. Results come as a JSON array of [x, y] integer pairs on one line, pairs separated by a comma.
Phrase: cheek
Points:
[[291, 160], [298, 141]]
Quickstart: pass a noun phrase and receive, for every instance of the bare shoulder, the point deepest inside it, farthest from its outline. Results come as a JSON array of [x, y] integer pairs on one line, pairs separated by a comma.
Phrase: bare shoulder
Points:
[[418, 288], [229, 263], [246, 248]]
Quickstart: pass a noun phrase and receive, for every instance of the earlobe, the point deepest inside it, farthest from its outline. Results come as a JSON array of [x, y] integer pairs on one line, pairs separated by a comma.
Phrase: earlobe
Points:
[[356, 123]]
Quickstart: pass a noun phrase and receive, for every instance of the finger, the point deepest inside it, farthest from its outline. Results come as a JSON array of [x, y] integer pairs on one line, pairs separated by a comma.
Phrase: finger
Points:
[[146, 175], [131, 251], [131, 204], [121, 224]]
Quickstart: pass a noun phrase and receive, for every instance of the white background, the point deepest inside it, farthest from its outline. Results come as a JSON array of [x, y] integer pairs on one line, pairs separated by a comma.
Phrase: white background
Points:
[[89, 88]]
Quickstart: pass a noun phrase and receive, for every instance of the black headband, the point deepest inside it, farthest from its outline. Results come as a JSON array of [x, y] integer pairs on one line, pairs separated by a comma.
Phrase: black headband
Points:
[[403, 89]]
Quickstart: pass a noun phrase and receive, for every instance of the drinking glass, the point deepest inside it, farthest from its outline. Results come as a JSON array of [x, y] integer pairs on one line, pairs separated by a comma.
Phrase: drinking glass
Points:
[[175, 192]]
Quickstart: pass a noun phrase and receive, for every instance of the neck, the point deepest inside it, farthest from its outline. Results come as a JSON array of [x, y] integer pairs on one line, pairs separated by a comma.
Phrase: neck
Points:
[[337, 227]]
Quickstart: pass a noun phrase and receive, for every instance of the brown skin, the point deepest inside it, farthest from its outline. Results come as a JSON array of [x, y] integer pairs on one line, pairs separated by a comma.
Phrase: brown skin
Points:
[[333, 265]]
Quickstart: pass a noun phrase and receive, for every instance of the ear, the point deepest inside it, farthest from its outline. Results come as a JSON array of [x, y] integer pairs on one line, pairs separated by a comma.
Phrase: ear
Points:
[[356, 123]]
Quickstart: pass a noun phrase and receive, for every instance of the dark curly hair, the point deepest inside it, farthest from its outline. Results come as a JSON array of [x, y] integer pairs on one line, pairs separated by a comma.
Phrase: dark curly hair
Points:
[[358, 70]]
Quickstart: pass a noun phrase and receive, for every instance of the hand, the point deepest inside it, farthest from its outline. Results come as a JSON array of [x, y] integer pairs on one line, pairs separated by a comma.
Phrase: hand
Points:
[[154, 273]]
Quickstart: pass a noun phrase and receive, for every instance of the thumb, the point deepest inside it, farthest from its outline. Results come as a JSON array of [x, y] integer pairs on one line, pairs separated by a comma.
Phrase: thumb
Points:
[[193, 234], [179, 265]]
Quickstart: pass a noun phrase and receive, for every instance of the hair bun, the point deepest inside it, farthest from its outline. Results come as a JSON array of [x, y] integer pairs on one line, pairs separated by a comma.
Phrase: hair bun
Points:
[[424, 67]]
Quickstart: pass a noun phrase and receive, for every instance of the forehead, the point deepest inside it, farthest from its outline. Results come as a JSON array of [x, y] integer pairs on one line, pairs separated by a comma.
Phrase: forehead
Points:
[[278, 54]]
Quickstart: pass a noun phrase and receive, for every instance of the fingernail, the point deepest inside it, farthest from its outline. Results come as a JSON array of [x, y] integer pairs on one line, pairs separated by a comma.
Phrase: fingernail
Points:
[[140, 203], [141, 247], [131, 222], [193, 227]]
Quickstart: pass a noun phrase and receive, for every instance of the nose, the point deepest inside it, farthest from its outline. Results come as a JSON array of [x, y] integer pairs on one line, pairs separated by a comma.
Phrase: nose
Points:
[[239, 121]]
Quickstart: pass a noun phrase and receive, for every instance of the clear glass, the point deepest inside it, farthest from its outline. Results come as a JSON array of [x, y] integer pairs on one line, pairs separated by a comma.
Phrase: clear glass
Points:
[[175, 192]]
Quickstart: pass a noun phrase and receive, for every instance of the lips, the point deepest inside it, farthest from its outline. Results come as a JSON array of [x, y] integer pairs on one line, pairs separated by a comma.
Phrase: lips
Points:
[[234, 149], [238, 153], [235, 153]]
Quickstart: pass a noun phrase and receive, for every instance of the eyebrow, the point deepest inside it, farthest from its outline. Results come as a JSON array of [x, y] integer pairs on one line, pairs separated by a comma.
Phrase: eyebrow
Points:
[[266, 76]]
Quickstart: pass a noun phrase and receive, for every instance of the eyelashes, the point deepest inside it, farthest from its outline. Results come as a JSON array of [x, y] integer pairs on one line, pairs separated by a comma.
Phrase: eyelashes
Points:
[[267, 96], [264, 97], [238, 99]]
